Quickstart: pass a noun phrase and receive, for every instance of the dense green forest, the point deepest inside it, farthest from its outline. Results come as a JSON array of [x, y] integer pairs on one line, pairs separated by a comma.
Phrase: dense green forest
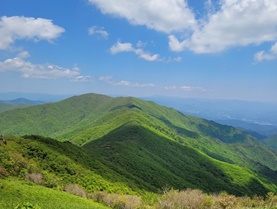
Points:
[[6, 106], [131, 148]]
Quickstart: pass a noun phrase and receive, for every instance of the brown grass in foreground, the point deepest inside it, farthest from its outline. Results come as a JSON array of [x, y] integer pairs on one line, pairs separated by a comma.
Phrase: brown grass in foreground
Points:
[[187, 199]]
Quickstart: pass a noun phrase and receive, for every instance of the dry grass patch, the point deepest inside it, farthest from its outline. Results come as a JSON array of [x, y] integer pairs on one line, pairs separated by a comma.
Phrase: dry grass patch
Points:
[[75, 190]]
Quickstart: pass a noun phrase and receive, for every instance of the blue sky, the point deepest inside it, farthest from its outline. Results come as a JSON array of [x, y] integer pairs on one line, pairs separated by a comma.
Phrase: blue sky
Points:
[[220, 49]]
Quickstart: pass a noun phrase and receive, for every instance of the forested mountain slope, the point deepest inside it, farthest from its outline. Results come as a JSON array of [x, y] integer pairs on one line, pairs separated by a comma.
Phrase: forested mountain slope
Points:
[[151, 145]]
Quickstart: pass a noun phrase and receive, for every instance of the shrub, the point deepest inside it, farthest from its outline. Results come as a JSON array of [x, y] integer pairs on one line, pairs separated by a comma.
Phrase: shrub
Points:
[[51, 180], [225, 200], [18, 163], [3, 172], [98, 196], [75, 190], [271, 200], [27, 206], [188, 199], [34, 177], [127, 202], [117, 201]]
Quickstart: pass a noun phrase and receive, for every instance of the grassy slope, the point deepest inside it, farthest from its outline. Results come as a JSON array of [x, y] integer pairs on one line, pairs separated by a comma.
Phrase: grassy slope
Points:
[[222, 142], [60, 163], [52, 119], [271, 142], [87, 118], [14, 192]]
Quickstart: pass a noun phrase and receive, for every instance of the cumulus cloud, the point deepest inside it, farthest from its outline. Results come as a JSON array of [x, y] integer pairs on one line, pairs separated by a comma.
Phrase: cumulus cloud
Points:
[[30, 70], [236, 23], [36, 29], [128, 47], [100, 31], [121, 47], [262, 55], [223, 25], [138, 50], [165, 16]]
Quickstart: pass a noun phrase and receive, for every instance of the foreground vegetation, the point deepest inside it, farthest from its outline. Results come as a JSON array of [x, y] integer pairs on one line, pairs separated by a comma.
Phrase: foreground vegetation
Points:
[[21, 194], [42, 173], [15, 193]]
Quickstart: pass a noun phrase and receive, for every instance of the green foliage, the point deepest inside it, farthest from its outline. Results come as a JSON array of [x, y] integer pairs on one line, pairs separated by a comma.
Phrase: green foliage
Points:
[[27, 206], [155, 162], [54, 164], [21, 194], [5, 106]]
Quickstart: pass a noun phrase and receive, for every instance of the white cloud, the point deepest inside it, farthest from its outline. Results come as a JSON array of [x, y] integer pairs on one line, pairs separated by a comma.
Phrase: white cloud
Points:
[[128, 47], [175, 44], [224, 24], [133, 84], [83, 79], [36, 29], [184, 88], [30, 70], [146, 56], [192, 88], [130, 84], [165, 16], [109, 80], [237, 23], [262, 55], [121, 47], [95, 30]]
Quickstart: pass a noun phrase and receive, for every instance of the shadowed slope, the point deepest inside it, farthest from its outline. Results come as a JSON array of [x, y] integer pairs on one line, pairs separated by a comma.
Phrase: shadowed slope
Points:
[[155, 162]]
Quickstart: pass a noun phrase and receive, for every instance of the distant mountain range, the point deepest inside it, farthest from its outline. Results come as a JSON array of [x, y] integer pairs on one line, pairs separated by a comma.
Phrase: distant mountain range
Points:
[[17, 103], [22, 101], [253, 117], [249, 116], [32, 96], [152, 146]]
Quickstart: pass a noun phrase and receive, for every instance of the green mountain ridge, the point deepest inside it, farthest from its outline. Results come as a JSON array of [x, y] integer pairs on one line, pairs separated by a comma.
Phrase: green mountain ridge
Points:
[[163, 162], [7, 106], [271, 142], [60, 163], [152, 146]]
